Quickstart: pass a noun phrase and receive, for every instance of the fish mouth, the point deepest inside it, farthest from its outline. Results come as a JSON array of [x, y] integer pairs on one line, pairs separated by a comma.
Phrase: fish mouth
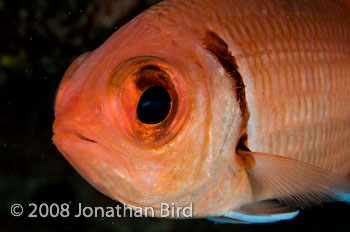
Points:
[[99, 166], [82, 137], [93, 161], [68, 139], [65, 131], [75, 135]]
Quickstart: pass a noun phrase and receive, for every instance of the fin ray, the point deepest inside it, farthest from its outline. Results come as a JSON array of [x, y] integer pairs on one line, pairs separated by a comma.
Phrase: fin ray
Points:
[[294, 182]]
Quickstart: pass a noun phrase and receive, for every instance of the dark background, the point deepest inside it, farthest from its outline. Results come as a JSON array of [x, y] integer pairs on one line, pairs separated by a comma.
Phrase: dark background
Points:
[[39, 40]]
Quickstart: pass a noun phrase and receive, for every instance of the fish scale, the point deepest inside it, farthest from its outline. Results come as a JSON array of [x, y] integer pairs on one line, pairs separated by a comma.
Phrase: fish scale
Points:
[[294, 58], [306, 103]]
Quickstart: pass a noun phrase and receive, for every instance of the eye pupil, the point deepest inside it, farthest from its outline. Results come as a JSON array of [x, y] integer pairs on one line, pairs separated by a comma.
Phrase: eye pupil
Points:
[[154, 105]]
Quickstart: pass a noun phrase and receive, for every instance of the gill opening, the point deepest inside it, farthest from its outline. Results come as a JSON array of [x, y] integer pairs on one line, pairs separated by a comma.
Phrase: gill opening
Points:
[[219, 49]]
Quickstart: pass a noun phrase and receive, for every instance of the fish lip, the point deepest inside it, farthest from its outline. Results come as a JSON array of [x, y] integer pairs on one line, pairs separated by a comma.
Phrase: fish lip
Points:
[[84, 138], [78, 139], [79, 135]]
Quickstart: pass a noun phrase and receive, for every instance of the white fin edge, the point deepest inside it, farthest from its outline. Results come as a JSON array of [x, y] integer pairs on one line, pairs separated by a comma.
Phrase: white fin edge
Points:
[[225, 220], [259, 212], [342, 196], [242, 218], [267, 218]]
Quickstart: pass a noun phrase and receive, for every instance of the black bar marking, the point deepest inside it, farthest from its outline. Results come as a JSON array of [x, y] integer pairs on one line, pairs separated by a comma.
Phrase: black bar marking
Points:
[[219, 48]]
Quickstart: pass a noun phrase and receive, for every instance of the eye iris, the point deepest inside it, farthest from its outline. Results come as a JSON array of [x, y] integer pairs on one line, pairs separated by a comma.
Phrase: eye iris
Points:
[[154, 105]]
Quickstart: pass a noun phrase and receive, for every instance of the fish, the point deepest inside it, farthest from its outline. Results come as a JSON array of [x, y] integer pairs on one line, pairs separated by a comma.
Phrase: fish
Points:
[[240, 108]]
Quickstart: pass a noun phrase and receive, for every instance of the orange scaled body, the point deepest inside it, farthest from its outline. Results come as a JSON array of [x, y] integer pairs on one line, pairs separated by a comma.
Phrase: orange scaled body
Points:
[[271, 75]]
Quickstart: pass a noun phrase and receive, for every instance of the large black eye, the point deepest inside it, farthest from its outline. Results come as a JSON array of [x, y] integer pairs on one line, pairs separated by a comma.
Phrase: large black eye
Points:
[[154, 105]]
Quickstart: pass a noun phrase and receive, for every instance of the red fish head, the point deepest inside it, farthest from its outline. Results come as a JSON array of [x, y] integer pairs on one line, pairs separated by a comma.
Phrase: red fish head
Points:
[[187, 155]]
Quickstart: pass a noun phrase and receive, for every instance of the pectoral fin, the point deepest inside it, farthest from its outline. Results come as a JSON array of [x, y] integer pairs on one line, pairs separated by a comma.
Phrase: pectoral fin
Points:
[[291, 181], [259, 212]]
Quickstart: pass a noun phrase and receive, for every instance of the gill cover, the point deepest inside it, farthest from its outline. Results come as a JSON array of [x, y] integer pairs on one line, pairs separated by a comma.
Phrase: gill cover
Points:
[[182, 157]]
